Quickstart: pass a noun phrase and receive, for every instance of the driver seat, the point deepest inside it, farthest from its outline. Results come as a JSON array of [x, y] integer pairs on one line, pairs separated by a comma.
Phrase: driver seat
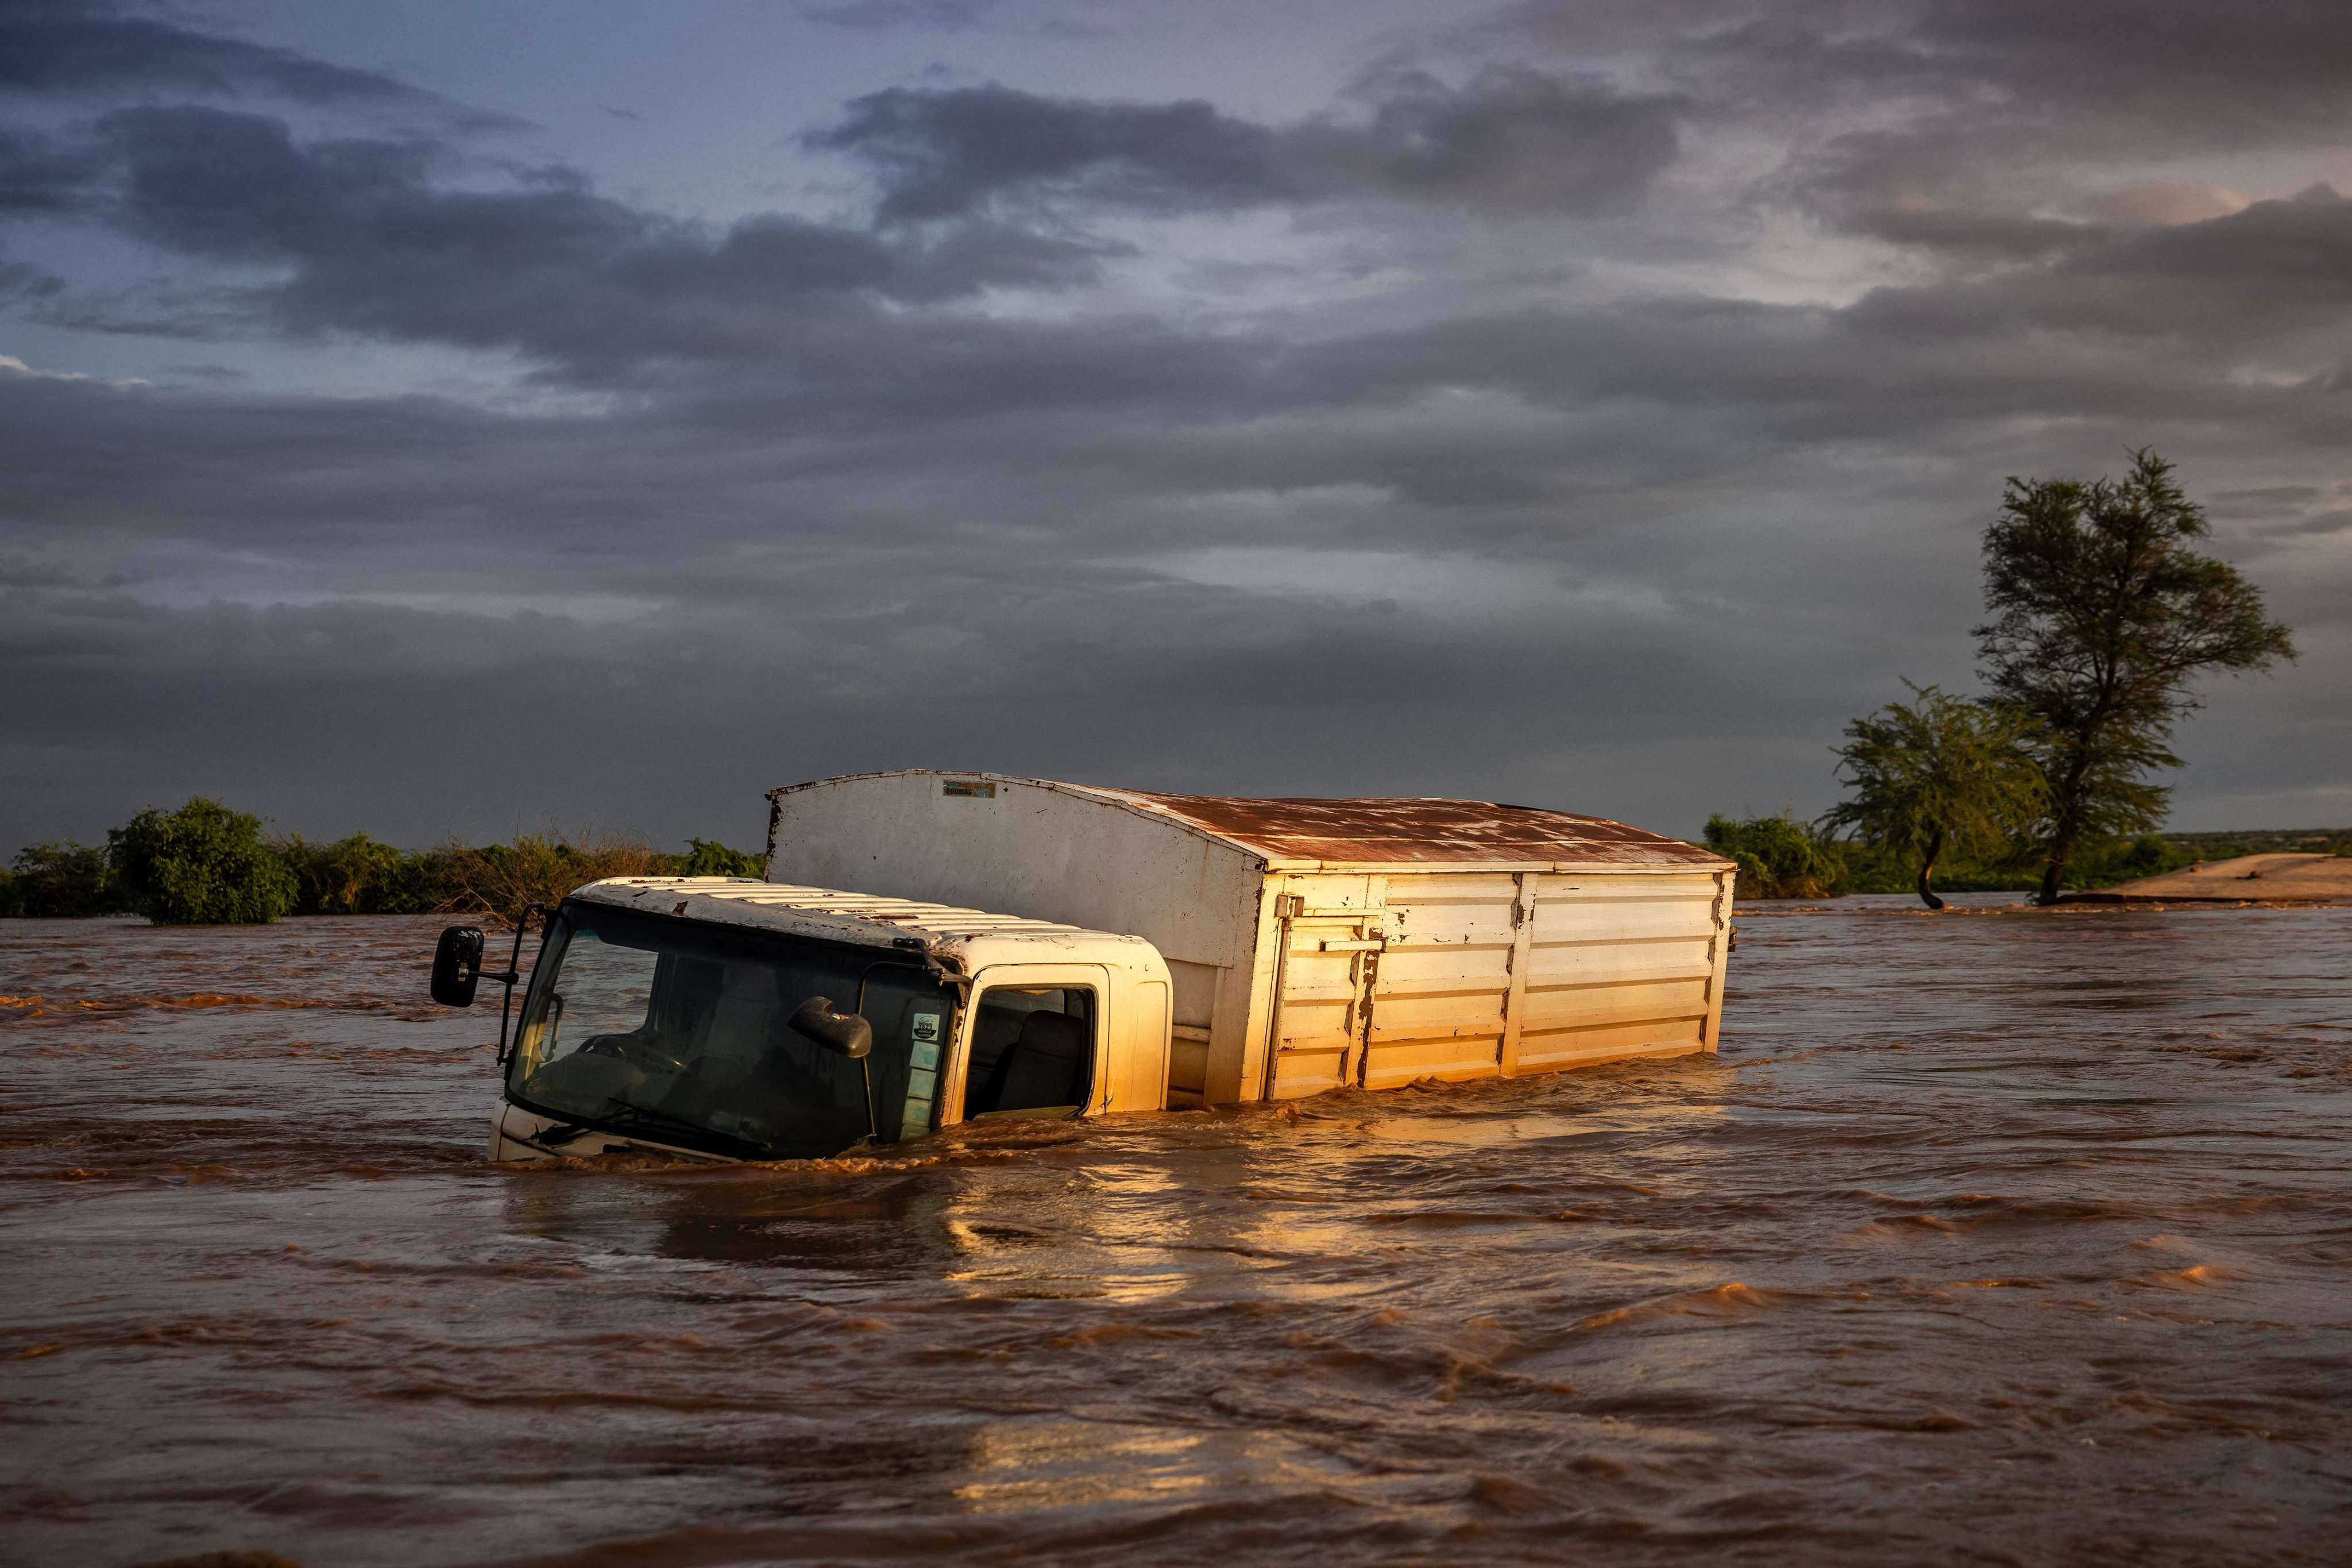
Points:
[[1047, 1066]]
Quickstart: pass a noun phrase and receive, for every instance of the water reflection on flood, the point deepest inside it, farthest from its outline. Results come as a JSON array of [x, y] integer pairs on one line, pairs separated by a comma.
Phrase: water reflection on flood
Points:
[[1999, 1237]]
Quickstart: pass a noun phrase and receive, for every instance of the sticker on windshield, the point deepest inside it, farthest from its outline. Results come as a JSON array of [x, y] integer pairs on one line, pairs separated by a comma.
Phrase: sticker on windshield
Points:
[[915, 1116], [922, 1072]]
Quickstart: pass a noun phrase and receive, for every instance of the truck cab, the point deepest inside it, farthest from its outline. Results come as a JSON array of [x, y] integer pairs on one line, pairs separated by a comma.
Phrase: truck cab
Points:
[[727, 1019]]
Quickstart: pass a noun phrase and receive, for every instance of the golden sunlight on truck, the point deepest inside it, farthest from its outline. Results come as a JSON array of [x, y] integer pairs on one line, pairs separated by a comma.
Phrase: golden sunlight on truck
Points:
[[1166, 951]]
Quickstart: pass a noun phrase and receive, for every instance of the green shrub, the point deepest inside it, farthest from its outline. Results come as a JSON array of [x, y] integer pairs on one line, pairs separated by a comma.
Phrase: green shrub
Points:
[[707, 857], [422, 883], [349, 877], [1779, 858], [1872, 871], [2113, 860], [201, 865], [63, 880]]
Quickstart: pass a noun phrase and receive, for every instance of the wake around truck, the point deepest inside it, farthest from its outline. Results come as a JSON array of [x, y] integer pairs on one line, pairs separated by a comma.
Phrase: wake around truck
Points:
[[1164, 952]]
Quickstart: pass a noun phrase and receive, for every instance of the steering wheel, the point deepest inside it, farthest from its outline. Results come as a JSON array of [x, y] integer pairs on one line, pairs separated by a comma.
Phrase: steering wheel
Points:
[[633, 1049]]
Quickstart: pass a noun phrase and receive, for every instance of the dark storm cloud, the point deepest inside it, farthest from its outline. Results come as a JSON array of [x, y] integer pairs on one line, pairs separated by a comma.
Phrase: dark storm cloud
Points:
[[1904, 117], [2114, 73], [1975, 235], [2122, 323], [74, 49], [1620, 392], [2262, 289], [900, 15], [41, 177], [376, 243], [1509, 139], [943, 153], [1512, 138]]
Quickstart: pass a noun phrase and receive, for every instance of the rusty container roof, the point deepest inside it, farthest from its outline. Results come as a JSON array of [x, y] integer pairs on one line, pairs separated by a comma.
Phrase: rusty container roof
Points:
[[1373, 830], [1392, 830]]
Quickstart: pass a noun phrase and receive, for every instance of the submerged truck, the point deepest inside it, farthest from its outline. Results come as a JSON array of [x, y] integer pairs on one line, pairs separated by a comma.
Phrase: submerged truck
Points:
[[1153, 951]]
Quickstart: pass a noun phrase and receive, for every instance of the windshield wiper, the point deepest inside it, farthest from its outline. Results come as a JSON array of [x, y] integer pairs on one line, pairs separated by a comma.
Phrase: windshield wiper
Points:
[[623, 1116], [626, 1114]]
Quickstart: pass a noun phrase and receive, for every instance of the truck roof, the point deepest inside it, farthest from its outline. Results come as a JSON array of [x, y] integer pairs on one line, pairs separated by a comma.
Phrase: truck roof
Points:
[[968, 936], [1422, 833]]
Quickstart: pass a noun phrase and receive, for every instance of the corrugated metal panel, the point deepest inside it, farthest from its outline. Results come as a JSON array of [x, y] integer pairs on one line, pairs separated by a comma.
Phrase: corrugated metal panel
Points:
[[1442, 988], [750, 900], [1618, 968], [1381, 830]]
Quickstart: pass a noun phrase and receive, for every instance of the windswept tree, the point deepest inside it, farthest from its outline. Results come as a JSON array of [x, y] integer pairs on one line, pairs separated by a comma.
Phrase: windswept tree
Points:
[[1941, 774], [2103, 612]]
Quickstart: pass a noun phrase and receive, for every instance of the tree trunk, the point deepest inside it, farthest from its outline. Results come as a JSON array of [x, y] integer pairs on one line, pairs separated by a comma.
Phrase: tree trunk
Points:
[[2066, 828], [1928, 872]]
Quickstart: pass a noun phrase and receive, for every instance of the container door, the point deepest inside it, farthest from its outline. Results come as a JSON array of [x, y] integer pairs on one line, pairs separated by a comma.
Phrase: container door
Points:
[[1440, 1000], [1329, 962], [1619, 966]]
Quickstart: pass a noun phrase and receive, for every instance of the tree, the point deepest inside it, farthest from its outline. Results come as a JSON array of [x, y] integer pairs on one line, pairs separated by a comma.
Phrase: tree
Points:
[[1945, 772], [201, 865], [2102, 616]]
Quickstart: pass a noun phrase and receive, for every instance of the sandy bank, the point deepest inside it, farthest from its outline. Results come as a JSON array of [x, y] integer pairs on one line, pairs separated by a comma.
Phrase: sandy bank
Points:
[[2269, 879]]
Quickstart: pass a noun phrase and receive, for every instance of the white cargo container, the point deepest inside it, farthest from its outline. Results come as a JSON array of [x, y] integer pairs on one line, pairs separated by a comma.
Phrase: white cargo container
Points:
[[1313, 943]]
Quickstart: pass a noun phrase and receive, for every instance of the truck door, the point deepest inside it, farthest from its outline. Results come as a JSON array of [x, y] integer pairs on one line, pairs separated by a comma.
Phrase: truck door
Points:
[[1030, 1044]]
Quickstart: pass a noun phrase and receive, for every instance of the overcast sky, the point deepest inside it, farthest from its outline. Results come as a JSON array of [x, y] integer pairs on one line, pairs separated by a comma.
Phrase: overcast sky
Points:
[[440, 418]]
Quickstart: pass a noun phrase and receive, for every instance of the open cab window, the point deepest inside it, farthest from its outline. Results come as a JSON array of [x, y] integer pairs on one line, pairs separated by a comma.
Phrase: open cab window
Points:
[[1032, 1051], [677, 1033]]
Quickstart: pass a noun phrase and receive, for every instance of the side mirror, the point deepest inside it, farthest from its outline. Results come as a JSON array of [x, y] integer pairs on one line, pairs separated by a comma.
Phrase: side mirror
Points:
[[457, 966], [844, 1034]]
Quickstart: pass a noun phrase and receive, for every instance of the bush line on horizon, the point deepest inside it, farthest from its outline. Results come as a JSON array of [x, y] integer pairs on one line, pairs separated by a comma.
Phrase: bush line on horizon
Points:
[[207, 865]]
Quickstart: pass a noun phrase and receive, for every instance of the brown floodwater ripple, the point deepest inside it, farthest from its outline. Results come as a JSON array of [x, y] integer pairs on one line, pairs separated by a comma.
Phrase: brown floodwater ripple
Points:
[[2002, 1236]]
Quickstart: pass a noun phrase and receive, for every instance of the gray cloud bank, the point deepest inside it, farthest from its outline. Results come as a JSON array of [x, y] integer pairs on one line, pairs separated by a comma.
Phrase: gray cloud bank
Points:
[[1595, 408], [1509, 138]]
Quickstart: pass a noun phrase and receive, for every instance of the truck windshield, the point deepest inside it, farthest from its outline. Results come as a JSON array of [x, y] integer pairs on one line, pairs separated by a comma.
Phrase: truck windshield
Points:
[[677, 1032]]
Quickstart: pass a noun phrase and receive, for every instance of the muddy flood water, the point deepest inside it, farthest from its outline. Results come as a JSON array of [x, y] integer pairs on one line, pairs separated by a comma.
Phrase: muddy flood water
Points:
[[2002, 1237]]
